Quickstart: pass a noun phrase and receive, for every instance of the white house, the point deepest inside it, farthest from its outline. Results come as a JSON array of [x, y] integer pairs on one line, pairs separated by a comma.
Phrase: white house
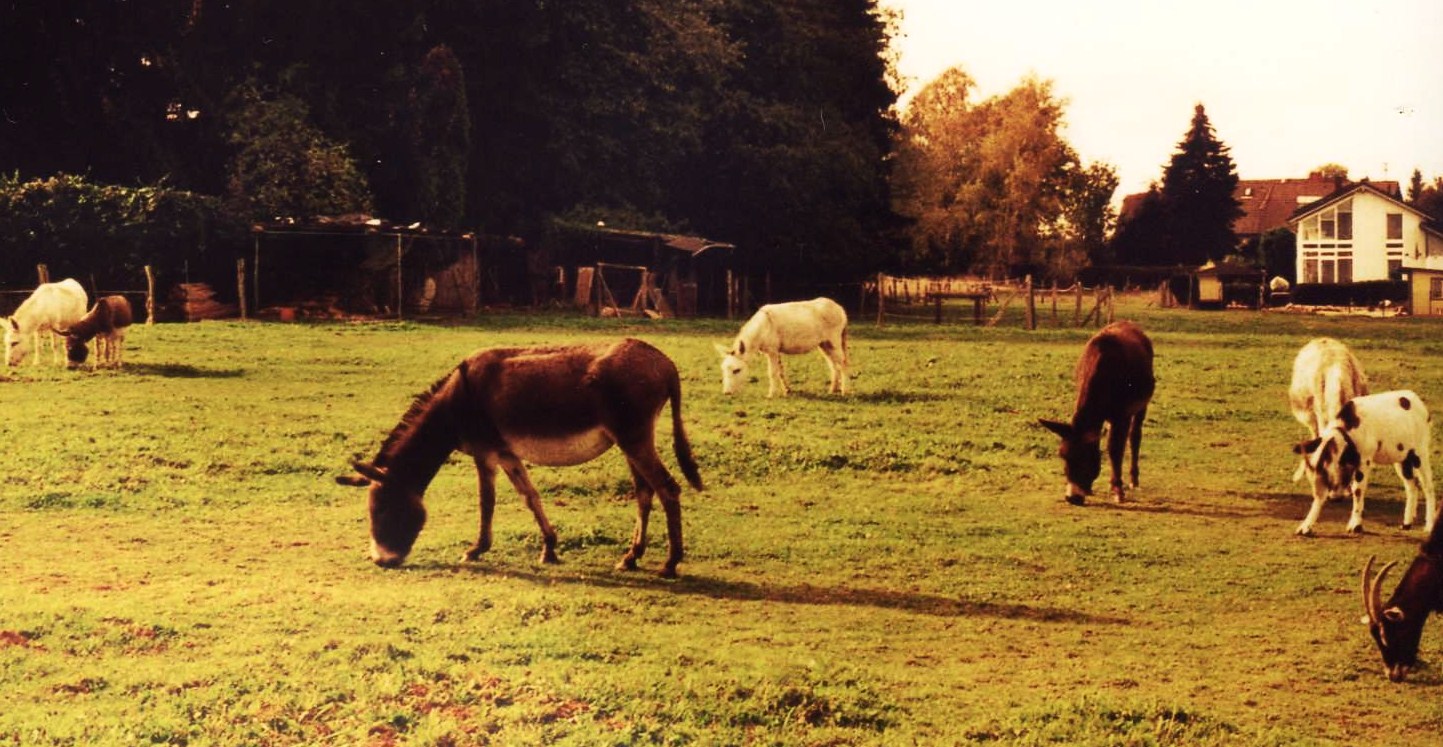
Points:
[[1362, 233]]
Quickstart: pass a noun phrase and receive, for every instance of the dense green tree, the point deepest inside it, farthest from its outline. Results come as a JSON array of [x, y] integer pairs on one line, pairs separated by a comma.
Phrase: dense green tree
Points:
[[284, 167], [1198, 188], [1427, 197], [1142, 234], [439, 140]]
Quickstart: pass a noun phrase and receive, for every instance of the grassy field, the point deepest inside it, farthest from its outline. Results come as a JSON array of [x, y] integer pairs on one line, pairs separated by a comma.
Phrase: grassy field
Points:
[[895, 567]]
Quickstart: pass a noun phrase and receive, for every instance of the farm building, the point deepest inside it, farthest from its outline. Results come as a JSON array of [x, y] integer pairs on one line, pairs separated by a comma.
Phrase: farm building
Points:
[[603, 268], [1361, 233]]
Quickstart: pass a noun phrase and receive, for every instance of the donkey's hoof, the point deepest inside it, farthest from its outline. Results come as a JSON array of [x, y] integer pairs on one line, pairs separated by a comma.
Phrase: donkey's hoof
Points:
[[549, 558], [1304, 531], [1358, 529], [1076, 500], [667, 572], [627, 563]]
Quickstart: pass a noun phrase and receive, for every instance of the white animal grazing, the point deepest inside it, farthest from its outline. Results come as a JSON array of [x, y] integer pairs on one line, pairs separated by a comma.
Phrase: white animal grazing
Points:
[[1374, 429], [792, 328], [52, 308], [1325, 377]]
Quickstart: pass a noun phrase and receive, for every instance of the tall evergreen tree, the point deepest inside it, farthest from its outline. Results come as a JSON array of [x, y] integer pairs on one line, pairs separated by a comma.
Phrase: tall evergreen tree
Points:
[[1197, 194]]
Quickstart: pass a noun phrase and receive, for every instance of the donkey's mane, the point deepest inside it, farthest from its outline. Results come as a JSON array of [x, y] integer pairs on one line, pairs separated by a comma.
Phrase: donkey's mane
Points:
[[421, 406]]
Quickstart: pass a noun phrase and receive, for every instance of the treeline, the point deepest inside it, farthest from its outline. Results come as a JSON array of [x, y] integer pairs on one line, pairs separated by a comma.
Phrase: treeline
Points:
[[761, 123]]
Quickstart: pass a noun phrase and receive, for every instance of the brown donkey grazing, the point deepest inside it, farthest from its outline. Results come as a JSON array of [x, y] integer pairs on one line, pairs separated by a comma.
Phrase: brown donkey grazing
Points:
[[553, 406], [1114, 385], [107, 323]]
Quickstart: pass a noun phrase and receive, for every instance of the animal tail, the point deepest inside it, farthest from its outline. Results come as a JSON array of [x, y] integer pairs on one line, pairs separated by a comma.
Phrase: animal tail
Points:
[[679, 442]]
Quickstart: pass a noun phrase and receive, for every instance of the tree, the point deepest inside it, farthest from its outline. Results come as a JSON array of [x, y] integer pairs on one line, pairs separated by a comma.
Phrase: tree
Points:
[[1141, 236], [1336, 172], [284, 167], [1425, 196], [1197, 197], [993, 187], [438, 141]]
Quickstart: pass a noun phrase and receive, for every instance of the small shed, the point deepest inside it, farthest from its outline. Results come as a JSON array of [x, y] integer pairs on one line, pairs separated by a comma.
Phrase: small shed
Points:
[[692, 274], [1425, 291], [1222, 284]]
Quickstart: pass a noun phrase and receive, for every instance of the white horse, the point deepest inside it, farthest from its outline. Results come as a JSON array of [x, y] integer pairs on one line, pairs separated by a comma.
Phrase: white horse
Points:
[[792, 328], [52, 308]]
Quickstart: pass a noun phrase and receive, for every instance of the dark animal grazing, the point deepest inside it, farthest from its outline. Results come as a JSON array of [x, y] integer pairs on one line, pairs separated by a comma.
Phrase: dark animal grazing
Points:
[[1114, 385], [1374, 429], [106, 323], [552, 406], [1397, 625]]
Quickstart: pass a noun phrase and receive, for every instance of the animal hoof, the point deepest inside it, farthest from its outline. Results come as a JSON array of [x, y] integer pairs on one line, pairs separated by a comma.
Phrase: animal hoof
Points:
[[626, 564], [1076, 500], [667, 573], [549, 558], [1304, 532], [1407, 525], [1356, 529]]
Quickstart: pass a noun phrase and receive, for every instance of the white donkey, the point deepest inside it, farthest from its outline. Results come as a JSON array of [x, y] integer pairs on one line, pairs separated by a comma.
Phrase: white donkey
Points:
[[1325, 377], [792, 328], [52, 308]]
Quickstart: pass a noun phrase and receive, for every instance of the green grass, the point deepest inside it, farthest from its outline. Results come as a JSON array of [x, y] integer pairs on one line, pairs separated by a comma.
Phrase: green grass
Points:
[[896, 567]]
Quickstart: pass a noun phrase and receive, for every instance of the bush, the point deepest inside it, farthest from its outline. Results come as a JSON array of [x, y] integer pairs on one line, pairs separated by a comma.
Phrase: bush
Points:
[[1371, 293]]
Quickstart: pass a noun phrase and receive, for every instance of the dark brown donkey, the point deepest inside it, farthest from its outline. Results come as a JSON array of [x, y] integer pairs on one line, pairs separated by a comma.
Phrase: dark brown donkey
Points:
[[553, 406], [106, 323], [1114, 385]]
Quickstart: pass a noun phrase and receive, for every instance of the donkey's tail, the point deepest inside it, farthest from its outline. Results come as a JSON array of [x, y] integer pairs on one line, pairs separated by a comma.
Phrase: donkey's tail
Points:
[[679, 442]]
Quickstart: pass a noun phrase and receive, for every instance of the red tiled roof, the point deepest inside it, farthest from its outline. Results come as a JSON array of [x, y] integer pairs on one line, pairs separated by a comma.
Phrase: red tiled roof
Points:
[[1268, 203]]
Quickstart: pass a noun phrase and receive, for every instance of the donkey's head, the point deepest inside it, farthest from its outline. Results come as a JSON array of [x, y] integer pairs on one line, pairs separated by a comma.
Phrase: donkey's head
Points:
[[16, 344], [76, 351], [1081, 459], [1397, 626], [397, 513], [733, 367]]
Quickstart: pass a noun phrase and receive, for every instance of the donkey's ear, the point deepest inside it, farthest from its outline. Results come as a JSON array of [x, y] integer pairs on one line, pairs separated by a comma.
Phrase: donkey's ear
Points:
[[721, 350], [741, 348], [1062, 429], [370, 471], [353, 481], [14, 324]]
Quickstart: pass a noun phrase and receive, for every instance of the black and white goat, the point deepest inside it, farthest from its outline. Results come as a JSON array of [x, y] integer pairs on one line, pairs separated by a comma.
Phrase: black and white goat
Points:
[[1375, 429], [1325, 376]]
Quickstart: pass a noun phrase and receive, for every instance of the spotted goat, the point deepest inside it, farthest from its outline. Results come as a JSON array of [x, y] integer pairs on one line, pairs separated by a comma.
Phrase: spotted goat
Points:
[[1388, 428]]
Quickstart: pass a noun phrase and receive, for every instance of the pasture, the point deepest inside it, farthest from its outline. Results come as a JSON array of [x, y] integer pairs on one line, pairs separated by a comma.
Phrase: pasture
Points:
[[896, 566]]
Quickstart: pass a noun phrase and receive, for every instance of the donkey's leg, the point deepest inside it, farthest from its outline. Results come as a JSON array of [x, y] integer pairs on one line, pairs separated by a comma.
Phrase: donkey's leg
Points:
[[776, 376], [1116, 444], [486, 477], [35, 347], [834, 366], [516, 471], [643, 513], [1135, 442], [644, 461], [117, 347]]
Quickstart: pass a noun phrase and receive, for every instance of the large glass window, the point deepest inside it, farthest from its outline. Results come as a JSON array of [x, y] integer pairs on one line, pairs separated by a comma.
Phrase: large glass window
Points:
[[1395, 226], [1435, 288], [1345, 221], [1310, 271]]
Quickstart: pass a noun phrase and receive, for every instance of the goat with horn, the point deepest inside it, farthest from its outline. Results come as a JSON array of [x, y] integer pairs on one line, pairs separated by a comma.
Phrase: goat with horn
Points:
[[1397, 625]]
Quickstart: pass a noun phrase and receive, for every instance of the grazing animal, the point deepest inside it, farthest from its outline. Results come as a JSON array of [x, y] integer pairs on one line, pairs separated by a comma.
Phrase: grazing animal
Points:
[[1374, 429], [106, 323], [1397, 625], [553, 406], [1325, 377], [792, 328], [52, 308], [1114, 385]]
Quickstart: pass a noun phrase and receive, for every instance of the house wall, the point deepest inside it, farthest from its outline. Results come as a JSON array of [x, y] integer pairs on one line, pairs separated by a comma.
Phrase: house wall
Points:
[[1369, 254], [1426, 291]]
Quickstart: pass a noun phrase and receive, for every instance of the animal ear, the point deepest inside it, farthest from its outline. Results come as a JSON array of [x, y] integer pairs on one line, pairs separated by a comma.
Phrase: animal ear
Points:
[[370, 471], [1393, 614], [1062, 429], [722, 351], [741, 347], [353, 481], [1307, 447], [14, 324]]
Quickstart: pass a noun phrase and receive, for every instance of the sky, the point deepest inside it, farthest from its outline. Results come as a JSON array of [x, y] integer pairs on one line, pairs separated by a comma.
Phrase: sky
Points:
[[1288, 85]]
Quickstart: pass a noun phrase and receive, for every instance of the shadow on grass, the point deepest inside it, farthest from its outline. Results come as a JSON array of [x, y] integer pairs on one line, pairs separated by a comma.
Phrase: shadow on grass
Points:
[[807, 594], [181, 371], [1383, 519]]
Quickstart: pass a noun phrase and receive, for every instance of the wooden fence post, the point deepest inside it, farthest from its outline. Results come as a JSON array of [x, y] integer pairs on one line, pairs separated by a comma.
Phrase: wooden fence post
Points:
[[881, 298], [240, 282], [150, 296], [1077, 310], [1030, 323], [43, 273]]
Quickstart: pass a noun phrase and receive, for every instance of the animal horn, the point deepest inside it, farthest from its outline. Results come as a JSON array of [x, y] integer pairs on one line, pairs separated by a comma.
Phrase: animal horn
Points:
[[1375, 594], [1368, 604]]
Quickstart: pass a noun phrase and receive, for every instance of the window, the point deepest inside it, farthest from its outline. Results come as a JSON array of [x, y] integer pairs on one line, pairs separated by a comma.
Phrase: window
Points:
[[1329, 272], [1345, 268], [1327, 224], [1345, 221], [1310, 271], [1435, 289], [1310, 229], [1395, 226]]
